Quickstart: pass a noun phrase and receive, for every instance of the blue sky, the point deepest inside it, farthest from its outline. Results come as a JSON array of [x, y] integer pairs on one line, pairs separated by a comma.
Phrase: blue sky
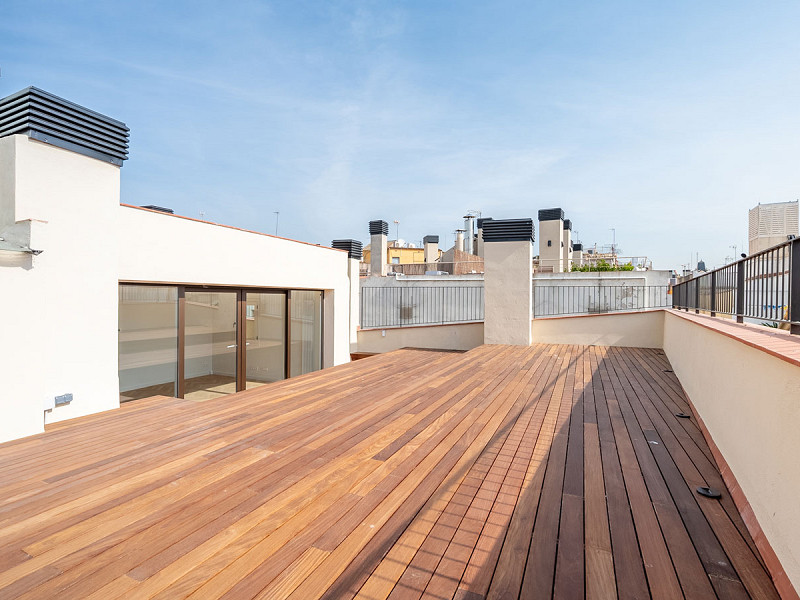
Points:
[[665, 121]]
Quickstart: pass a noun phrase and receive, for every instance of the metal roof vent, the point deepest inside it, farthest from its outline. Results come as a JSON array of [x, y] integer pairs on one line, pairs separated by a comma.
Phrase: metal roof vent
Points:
[[378, 228], [47, 118], [508, 230], [169, 211], [353, 247], [551, 214]]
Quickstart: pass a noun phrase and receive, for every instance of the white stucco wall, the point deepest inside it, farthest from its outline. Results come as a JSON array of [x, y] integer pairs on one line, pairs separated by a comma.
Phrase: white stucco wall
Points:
[[59, 309], [461, 336], [635, 330], [507, 291], [551, 256], [158, 247], [750, 403]]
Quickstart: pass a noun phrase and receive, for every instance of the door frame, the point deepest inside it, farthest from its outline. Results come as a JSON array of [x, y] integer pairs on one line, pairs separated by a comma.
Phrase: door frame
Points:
[[241, 325]]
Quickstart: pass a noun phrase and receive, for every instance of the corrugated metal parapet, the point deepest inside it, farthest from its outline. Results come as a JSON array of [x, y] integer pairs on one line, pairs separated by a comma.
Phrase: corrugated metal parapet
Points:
[[577, 246], [378, 228], [551, 214], [48, 118], [508, 230], [567, 224], [483, 220], [354, 247], [430, 239]]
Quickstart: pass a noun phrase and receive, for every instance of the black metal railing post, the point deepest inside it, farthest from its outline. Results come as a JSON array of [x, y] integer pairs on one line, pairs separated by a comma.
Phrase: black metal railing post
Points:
[[794, 287], [697, 296], [712, 303], [740, 292]]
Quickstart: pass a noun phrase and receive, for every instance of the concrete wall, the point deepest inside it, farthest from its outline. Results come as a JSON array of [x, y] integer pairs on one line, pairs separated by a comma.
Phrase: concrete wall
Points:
[[461, 336], [636, 330], [507, 290], [551, 256], [59, 309], [750, 404]]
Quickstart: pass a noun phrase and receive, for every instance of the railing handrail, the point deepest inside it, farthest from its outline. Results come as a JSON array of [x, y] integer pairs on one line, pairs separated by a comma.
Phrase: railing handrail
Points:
[[763, 286], [741, 260], [598, 298]]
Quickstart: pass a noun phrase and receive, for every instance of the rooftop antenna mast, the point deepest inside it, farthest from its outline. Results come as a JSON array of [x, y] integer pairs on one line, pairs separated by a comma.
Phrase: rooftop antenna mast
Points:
[[277, 214]]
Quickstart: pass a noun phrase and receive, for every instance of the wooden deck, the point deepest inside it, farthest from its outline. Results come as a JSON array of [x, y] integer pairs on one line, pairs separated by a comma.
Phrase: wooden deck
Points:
[[503, 472]]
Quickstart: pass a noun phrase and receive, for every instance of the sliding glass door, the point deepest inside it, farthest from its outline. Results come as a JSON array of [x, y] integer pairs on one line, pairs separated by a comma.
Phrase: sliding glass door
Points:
[[148, 341], [210, 347], [265, 338], [306, 310], [203, 343]]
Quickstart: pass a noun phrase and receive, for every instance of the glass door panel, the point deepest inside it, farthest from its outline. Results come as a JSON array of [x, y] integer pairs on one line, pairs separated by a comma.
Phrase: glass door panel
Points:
[[148, 341], [265, 334], [306, 332], [210, 347]]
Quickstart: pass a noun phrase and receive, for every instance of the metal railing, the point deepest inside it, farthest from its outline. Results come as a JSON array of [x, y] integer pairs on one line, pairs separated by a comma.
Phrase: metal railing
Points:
[[420, 305], [463, 267], [555, 300], [764, 286]]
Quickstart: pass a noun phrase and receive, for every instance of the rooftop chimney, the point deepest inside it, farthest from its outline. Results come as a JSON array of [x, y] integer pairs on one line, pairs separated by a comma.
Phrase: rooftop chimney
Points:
[[551, 238], [479, 237], [58, 122], [378, 232], [431, 245], [460, 240], [507, 281]]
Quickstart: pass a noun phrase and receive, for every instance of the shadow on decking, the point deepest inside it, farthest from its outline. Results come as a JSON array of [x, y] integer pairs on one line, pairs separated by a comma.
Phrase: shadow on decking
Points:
[[599, 501]]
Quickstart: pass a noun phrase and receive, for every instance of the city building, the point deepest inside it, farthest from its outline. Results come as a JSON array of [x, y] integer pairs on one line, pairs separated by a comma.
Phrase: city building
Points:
[[772, 224], [399, 252]]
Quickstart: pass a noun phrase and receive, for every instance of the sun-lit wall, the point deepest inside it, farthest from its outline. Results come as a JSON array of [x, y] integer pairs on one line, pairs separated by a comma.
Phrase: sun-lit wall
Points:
[[60, 309]]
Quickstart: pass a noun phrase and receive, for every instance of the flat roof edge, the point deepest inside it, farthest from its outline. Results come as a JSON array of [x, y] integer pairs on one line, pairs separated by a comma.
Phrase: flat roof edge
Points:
[[277, 237]]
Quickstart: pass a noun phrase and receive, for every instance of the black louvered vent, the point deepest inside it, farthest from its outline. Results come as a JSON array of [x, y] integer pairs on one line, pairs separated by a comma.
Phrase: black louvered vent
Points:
[[482, 221], [378, 228], [169, 211], [577, 246], [353, 247], [430, 239], [48, 118], [508, 230], [551, 214], [567, 224]]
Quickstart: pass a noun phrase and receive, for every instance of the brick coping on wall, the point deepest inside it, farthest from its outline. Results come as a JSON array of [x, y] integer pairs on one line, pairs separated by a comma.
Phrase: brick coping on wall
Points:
[[778, 343], [784, 346]]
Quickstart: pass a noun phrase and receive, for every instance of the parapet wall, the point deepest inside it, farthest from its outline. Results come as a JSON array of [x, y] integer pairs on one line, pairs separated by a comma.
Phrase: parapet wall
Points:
[[748, 401]]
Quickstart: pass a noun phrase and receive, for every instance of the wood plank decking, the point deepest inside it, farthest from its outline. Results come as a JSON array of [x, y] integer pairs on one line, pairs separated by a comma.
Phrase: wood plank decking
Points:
[[503, 472]]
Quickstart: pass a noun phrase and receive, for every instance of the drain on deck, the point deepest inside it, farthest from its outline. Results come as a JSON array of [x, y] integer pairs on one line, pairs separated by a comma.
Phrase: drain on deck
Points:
[[708, 492]]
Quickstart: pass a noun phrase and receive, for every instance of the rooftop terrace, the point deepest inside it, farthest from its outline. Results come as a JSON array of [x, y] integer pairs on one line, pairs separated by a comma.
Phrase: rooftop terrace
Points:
[[503, 472]]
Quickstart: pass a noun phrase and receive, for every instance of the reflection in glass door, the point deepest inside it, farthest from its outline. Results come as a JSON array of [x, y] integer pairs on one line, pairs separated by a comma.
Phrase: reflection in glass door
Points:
[[306, 332], [265, 335], [210, 351]]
